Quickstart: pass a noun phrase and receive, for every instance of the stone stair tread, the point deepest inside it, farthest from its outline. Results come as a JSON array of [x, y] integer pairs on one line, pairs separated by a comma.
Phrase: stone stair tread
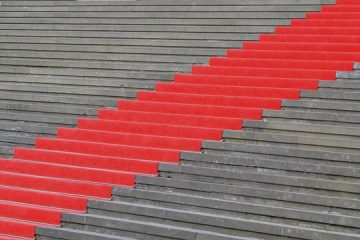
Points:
[[73, 90], [189, 203], [293, 139], [350, 106], [37, 117], [302, 153], [157, 229], [254, 178], [331, 94], [352, 119], [79, 81], [95, 65], [233, 162], [157, 2], [70, 234], [248, 224], [259, 195], [300, 127]]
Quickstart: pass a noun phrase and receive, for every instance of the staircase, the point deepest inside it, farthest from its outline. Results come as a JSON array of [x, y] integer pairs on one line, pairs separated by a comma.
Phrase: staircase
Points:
[[60, 60], [265, 152], [292, 175]]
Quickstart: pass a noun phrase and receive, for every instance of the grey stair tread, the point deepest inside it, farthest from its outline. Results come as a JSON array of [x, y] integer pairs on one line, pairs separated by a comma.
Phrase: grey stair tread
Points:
[[37, 117], [128, 57], [75, 101], [124, 21], [218, 175], [159, 8], [27, 127], [232, 148], [294, 140], [69, 234], [48, 108], [181, 50], [340, 84], [337, 131], [96, 65], [72, 90], [162, 2], [267, 165], [248, 225], [349, 106], [134, 228], [331, 94], [220, 207], [138, 28], [349, 75], [160, 214], [77, 81], [136, 35], [20, 138], [67, 71], [165, 15], [254, 195], [302, 114], [28, 43]]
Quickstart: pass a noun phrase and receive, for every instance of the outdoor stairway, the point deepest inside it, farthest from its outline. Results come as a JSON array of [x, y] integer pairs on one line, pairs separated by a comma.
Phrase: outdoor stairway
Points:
[[293, 175], [263, 182], [63, 59]]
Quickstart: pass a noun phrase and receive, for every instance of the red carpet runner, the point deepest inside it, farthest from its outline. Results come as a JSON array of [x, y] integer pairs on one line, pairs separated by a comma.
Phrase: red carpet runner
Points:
[[60, 174]]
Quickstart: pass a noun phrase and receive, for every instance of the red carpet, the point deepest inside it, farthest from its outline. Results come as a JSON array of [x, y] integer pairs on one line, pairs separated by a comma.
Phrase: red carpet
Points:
[[60, 174]]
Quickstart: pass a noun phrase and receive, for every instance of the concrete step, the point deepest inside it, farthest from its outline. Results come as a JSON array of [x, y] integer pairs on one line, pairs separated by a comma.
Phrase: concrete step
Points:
[[138, 28], [162, 15], [271, 166], [159, 2], [226, 208], [332, 105], [134, 35], [350, 75], [69, 234], [222, 224], [344, 84], [197, 51], [280, 153], [293, 141], [96, 44], [153, 21], [94, 65], [36, 117], [45, 98], [76, 81], [139, 229], [71, 90], [14, 137], [231, 225], [303, 129], [317, 117], [160, 9], [64, 109], [7, 150], [70, 72], [102, 57], [264, 196], [27, 127], [309, 185], [332, 94]]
